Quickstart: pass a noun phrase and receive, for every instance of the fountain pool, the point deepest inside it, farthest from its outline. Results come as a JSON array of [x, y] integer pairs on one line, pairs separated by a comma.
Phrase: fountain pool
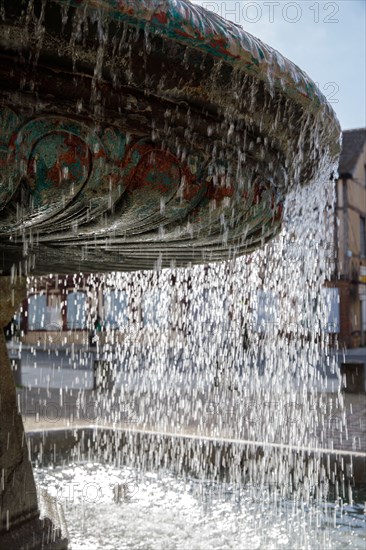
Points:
[[161, 511]]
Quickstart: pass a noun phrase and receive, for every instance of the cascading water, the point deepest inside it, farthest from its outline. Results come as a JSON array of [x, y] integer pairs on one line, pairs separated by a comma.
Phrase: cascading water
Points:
[[213, 422], [213, 412]]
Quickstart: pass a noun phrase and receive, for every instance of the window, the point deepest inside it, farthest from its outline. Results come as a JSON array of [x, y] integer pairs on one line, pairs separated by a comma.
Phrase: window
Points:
[[210, 311], [115, 308], [155, 308], [76, 313], [53, 312], [265, 311], [363, 316], [37, 306], [363, 236], [331, 300]]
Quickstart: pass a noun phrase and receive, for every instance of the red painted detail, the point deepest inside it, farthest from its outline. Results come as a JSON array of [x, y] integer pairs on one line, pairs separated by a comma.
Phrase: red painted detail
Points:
[[12, 141], [221, 45], [161, 17], [99, 155], [259, 189], [122, 8], [156, 170], [77, 153], [219, 192], [191, 185], [184, 34], [150, 168]]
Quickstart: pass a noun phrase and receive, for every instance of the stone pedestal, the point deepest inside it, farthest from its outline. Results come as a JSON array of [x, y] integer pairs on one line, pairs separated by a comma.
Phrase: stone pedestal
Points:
[[20, 526]]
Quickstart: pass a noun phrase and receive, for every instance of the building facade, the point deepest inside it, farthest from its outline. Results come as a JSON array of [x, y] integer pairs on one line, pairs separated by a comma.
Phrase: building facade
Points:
[[350, 239]]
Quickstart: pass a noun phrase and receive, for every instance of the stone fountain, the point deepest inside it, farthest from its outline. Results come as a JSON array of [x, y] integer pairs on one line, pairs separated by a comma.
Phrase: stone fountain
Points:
[[138, 135], [143, 134]]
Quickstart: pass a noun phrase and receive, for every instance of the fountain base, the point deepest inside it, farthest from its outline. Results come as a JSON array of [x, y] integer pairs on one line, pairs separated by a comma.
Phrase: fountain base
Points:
[[20, 525], [34, 534]]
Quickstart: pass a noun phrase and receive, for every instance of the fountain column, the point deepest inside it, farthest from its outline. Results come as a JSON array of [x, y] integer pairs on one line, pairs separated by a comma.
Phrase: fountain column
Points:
[[20, 526]]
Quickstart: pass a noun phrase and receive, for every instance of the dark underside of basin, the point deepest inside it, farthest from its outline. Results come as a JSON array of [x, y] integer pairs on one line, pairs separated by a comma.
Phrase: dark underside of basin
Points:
[[122, 153]]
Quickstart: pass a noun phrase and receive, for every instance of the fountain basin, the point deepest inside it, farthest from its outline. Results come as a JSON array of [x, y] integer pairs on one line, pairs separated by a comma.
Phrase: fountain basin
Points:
[[132, 490], [137, 135]]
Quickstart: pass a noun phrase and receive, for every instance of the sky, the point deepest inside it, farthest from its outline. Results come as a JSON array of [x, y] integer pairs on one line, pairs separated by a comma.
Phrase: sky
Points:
[[326, 39]]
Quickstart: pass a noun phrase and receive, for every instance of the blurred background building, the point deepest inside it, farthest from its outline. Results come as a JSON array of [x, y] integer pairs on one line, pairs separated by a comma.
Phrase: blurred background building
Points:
[[350, 239]]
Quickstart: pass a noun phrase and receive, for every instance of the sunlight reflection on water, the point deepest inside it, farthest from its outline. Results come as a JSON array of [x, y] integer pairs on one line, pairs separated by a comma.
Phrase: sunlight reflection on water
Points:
[[109, 508]]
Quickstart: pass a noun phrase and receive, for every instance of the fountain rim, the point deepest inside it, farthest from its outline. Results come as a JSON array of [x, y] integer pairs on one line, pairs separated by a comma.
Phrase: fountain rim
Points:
[[197, 437], [198, 28]]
